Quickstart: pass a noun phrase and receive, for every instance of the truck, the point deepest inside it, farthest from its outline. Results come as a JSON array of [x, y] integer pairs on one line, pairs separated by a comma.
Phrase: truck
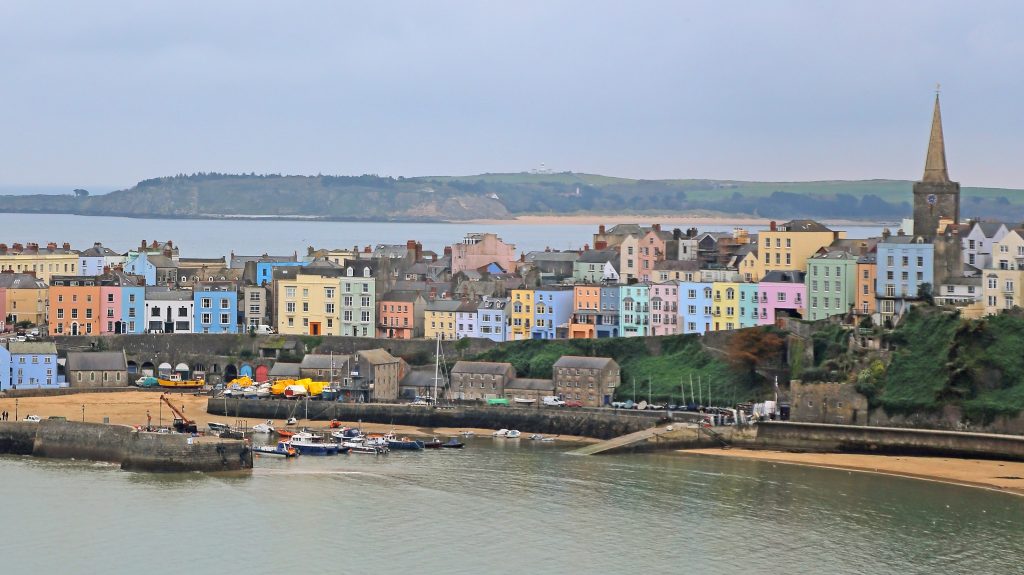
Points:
[[552, 400]]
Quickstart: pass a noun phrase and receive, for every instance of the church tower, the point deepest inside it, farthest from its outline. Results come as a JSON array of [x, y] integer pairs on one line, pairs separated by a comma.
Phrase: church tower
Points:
[[935, 196]]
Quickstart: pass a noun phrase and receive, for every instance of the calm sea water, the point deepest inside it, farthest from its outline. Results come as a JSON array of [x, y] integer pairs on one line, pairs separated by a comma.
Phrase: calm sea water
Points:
[[500, 506], [214, 238]]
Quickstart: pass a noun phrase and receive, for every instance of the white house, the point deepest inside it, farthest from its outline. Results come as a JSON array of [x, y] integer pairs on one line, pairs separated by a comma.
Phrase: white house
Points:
[[169, 310], [977, 244]]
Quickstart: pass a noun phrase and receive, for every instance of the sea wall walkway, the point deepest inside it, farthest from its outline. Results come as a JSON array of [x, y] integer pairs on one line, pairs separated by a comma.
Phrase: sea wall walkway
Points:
[[133, 450]]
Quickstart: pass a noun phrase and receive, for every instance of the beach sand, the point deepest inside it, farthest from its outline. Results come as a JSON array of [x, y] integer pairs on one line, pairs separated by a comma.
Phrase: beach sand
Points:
[[129, 408], [1007, 476]]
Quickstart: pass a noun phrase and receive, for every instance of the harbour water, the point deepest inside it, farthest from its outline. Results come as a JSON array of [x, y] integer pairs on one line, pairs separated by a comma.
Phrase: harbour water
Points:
[[215, 238], [500, 506]]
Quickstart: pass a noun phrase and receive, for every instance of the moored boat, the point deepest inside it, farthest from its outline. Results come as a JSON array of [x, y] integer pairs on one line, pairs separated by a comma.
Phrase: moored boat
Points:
[[512, 434], [310, 444], [174, 381], [404, 443], [282, 448], [524, 400], [453, 443], [267, 427], [500, 433], [434, 443], [216, 427]]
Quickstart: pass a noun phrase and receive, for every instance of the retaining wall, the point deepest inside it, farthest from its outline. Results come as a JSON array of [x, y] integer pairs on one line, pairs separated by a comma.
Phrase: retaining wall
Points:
[[135, 451], [884, 440], [601, 424]]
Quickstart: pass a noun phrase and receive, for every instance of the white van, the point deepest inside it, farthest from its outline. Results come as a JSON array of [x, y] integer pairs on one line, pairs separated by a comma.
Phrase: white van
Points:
[[263, 330], [552, 400]]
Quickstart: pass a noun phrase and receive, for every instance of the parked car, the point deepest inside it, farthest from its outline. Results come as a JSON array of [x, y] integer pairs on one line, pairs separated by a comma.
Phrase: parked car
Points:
[[573, 403], [33, 418]]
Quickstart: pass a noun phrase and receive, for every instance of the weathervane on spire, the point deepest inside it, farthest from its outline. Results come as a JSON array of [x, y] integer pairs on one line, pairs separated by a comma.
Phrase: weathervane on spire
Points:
[[938, 88]]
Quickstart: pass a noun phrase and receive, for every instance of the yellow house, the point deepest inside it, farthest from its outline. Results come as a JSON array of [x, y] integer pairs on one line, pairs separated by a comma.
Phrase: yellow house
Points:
[[43, 261], [790, 245], [1002, 283], [24, 298], [439, 319], [725, 305], [522, 313], [309, 305]]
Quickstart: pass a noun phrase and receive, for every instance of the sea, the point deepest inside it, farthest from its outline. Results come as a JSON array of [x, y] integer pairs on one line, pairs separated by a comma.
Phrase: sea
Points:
[[216, 238], [500, 507]]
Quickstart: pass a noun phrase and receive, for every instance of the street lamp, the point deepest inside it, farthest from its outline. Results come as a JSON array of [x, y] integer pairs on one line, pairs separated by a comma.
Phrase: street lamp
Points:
[[15, 410], [83, 413]]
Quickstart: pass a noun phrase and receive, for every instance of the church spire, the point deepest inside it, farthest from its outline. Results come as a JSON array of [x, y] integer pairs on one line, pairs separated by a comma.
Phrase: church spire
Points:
[[935, 162]]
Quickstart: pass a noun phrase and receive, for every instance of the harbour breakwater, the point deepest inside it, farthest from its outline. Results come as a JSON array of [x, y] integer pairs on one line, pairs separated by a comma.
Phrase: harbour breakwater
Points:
[[133, 450], [599, 424]]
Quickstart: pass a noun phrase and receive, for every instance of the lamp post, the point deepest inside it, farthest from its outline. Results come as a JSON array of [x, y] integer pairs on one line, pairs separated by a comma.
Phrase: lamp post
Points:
[[83, 413], [15, 409]]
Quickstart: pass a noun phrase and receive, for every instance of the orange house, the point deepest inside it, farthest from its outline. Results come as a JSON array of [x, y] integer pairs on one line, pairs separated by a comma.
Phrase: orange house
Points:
[[74, 305], [586, 304], [867, 271], [400, 315]]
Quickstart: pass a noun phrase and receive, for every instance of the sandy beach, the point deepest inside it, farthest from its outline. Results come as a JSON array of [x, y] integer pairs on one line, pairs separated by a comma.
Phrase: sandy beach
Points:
[[130, 407], [1005, 476], [666, 220]]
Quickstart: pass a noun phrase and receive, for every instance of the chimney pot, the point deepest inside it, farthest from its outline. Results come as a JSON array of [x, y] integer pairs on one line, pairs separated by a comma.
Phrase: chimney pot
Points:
[[656, 227], [772, 226], [600, 229]]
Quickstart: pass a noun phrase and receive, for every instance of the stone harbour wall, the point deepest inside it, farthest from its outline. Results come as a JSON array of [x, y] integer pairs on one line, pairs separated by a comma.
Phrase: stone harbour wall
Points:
[[133, 450]]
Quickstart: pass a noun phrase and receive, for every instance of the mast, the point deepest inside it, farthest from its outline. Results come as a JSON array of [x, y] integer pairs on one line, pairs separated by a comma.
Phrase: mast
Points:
[[437, 365]]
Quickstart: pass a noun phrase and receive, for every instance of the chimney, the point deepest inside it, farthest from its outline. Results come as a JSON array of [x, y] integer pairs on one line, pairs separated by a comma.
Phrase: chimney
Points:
[[600, 229], [410, 245], [106, 270], [3, 248], [547, 248], [900, 232], [367, 250], [863, 249], [677, 233], [67, 246], [886, 233], [772, 226], [419, 251], [154, 244], [51, 246], [586, 247], [30, 273], [168, 253], [600, 245], [433, 257], [656, 227], [170, 244], [447, 250], [17, 247]]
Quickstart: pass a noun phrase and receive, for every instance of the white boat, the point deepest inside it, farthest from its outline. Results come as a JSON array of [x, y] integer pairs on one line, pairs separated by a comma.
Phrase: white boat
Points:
[[512, 434], [500, 433], [264, 427], [218, 427], [524, 400], [263, 391], [537, 437], [291, 421], [311, 444], [295, 391], [467, 434]]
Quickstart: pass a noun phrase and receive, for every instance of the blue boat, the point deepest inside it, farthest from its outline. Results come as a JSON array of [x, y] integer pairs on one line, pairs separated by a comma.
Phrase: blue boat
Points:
[[404, 443], [309, 444]]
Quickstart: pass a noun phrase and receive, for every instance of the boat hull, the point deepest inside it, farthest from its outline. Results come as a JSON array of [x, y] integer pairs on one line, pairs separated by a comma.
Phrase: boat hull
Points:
[[413, 445], [319, 448]]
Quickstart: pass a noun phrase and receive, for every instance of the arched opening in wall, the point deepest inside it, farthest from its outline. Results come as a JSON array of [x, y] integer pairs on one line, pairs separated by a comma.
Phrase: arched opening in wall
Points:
[[148, 369], [163, 370], [133, 368], [262, 373], [182, 370], [230, 372], [245, 371]]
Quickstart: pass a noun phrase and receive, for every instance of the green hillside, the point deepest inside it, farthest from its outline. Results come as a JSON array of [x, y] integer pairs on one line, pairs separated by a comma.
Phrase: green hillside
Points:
[[503, 196]]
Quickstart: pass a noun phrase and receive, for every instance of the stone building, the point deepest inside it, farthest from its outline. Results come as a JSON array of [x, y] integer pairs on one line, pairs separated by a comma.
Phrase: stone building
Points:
[[836, 403], [480, 379], [96, 369], [591, 380], [528, 388]]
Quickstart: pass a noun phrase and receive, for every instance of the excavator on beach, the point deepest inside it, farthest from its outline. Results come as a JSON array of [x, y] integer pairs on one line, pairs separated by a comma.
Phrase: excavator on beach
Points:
[[182, 424]]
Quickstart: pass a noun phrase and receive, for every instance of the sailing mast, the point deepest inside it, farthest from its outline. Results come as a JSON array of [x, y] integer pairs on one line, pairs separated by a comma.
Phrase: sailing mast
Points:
[[437, 365]]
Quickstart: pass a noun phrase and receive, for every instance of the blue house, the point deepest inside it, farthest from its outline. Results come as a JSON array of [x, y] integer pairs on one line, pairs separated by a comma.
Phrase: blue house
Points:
[[749, 304], [492, 318], [34, 365], [138, 264], [133, 309], [265, 270], [5, 368], [904, 264], [552, 307], [216, 307], [634, 310], [608, 320], [695, 307]]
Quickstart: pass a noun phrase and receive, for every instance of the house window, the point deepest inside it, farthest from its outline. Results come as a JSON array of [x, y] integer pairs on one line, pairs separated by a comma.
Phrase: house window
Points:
[[225, 319], [205, 318], [225, 304], [206, 302]]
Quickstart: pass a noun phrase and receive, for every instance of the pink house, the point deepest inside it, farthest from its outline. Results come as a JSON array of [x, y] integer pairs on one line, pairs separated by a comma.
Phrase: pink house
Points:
[[664, 299], [110, 309], [651, 250], [478, 250], [780, 294]]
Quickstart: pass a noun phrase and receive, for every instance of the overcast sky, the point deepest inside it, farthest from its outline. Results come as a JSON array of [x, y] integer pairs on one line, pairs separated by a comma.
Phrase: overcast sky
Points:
[[105, 93]]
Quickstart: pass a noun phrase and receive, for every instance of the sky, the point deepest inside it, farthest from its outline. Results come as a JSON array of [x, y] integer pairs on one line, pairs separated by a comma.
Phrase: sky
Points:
[[103, 94]]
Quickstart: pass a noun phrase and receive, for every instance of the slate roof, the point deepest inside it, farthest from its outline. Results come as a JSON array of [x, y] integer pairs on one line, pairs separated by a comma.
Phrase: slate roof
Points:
[[399, 295], [418, 378], [803, 226], [444, 305], [21, 281], [377, 356], [164, 294], [32, 347], [598, 256], [284, 370], [321, 361], [584, 362], [238, 262], [484, 367], [96, 361], [98, 251], [784, 277]]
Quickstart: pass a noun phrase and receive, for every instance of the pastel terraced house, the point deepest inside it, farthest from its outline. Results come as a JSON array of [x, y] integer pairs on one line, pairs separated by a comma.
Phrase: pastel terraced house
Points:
[[23, 297], [45, 262], [479, 249], [34, 365], [493, 318], [522, 314], [359, 299], [552, 310], [439, 319], [74, 305], [831, 284], [400, 315], [695, 307], [726, 305], [1002, 284], [904, 265], [586, 311], [634, 310], [216, 307], [790, 245], [665, 308], [308, 303], [780, 294]]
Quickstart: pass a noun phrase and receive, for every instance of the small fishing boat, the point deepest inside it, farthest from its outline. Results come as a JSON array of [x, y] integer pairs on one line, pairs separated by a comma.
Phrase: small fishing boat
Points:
[[285, 433], [249, 393], [310, 444], [537, 437], [363, 449], [174, 381], [295, 392], [263, 391], [524, 400], [512, 434], [291, 421], [434, 443], [453, 443], [267, 427], [216, 427], [500, 433], [468, 434], [282, 448], [404, 443]]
